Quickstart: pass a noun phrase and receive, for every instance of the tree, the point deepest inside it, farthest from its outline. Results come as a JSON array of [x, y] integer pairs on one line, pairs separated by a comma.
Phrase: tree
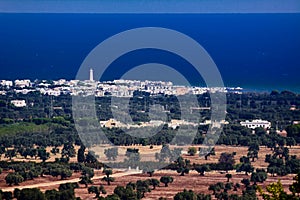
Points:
[[54, 150], [253, 146], [236, 186], [245, 181], [295, 187], [17, 192], [68, 150], [65, 173], [148, 169], [182, 166], [203, 196], [211, 153], [85, 180], [142, 187], [66, 190], [68, 186], [222, 195], [154, 182], [166, 180], [32, 152], [226, 161], [14, 178], [213, 188], [80, 154], [6, 195], [52, 194], [151, 172], [127, 193], [102, 189], [26, 152], [90, 158], [228, 176], [96, 190], [43, 154], [259, 176], [107, 178], [245, 165], [290, 142], [228, 186], [10, 153], [86, 176], [186, 195], [31, 194], [281, 152], [2, 151], [294, 132], [276, 192], [253, 151], [216, 187], [192, 151], [111, 153], [201, 169]]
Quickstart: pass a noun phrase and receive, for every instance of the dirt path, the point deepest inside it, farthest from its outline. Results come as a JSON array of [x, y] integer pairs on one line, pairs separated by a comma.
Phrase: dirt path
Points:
[[39, 185]]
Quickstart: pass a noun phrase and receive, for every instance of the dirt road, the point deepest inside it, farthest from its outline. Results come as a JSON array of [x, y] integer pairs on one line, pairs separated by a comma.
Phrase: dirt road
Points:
[[39, 185]]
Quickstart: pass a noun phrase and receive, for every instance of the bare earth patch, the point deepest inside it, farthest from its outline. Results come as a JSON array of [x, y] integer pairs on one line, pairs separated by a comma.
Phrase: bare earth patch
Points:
[[191, 181]]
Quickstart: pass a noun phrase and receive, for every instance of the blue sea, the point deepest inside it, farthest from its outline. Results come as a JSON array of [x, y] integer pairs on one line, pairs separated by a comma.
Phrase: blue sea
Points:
[[255, 51]]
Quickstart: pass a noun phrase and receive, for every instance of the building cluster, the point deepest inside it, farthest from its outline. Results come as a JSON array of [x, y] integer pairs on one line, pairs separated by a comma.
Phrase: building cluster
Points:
[[90, 87], [174, 123], [118, 88], [113, 123]]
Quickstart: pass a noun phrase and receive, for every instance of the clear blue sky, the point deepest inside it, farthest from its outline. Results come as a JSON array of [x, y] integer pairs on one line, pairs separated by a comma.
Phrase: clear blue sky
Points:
[[150, 6]]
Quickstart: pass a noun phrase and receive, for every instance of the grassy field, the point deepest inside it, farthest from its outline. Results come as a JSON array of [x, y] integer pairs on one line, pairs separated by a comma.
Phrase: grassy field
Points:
[[23, 127]]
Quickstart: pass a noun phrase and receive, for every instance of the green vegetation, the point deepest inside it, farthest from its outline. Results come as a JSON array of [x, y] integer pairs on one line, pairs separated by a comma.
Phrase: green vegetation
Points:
[[183, 166], [97, 190], [27, 132], [166, 180], [23, 127], [275, 191], [107, 178], [192, 151]]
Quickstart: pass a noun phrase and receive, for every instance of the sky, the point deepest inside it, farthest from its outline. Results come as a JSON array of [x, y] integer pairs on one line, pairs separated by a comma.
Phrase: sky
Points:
[[150, 6]]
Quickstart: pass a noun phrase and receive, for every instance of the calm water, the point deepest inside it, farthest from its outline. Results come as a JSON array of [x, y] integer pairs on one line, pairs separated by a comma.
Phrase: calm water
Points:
[[255, 51]]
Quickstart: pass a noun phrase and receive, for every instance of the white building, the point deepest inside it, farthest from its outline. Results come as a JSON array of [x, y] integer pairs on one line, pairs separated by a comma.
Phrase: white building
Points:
[[18, 103], [22, 83], [256, 124], [2, 92], [6, 83], [60, 82], [50, 92]]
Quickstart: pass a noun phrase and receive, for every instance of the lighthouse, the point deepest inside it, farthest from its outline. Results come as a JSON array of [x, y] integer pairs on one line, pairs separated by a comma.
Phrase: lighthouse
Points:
[[91, 75]]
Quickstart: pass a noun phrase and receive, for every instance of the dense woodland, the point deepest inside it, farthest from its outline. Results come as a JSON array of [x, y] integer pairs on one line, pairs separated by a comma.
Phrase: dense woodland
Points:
[[51, 117], [47, 122]]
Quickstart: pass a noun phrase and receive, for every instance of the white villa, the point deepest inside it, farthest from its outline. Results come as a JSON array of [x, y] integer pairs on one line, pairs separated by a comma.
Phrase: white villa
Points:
[[18, 103], [256, 124]]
